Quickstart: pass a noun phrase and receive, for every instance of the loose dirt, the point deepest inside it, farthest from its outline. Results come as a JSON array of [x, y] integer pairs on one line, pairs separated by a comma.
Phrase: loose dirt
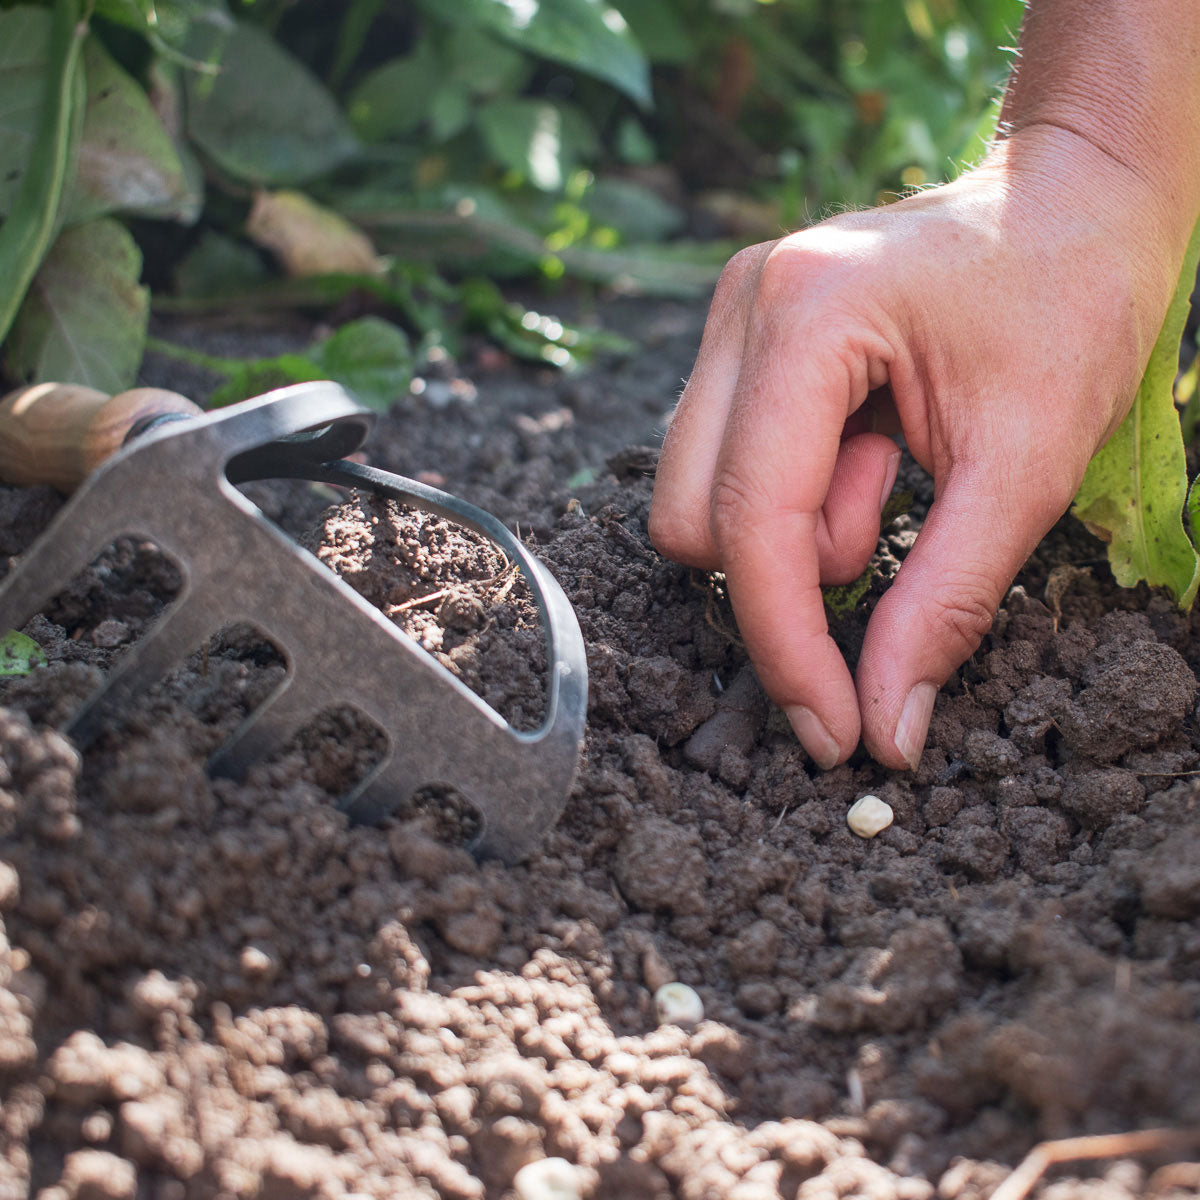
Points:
[[219, 989]]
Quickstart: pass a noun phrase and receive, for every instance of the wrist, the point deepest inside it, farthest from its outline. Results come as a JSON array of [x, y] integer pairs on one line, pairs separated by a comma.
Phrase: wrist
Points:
[[1123, 77], [1067, 183]]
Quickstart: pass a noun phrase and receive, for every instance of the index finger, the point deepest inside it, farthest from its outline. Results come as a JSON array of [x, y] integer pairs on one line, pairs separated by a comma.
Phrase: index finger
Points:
[[801, 378]]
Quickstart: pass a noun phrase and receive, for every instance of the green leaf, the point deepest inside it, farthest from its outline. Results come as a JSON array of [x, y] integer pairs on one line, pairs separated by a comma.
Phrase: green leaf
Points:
[[449, 112], [483, 66], [659, 31], [395, 98], [163, 23], [24, 45], [29, 228], [634, 145], [19, 654], [589, 35], [126, 161], [352, 37], [84, 320], [265, 117], [540, 140], [435, 82], [637, 213], [1134, 492], [217, 265], [371, 357], [261, 375]]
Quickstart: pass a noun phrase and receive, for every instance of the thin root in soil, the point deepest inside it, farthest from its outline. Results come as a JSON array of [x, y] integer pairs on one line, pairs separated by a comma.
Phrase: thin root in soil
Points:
[[1107, 1145]]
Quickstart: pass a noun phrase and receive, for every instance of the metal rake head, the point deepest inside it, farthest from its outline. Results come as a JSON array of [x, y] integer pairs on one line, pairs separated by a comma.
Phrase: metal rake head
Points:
[[174, 485]]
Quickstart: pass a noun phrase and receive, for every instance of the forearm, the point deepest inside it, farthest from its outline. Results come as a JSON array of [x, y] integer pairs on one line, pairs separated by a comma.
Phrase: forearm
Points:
[[1125, 76]]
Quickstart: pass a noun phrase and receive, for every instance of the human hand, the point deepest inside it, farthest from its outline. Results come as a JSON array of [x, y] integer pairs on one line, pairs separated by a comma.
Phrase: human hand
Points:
[[1008, 317]]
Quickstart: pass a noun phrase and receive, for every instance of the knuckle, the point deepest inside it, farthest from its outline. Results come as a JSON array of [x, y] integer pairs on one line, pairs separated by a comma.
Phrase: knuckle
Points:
[[783, 272], [962, 614], [732, 507], [737, 273], [745, 262], [674, 533]]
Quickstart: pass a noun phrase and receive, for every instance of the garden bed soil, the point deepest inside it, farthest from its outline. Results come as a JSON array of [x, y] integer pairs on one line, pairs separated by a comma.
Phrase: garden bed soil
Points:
[[213, 988]]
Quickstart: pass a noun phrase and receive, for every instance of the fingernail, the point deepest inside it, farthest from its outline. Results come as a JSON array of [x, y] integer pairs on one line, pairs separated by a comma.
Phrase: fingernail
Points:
[[814, 737], [913, 726], [889, 479]]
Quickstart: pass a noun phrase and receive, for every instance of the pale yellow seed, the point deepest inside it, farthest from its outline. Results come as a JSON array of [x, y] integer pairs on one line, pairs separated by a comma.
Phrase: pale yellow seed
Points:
[[547, 1179], [868, 816], [678, 1004]]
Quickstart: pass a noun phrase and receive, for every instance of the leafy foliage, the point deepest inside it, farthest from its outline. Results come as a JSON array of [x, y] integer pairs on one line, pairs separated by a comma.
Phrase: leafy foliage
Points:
[[474, 140], [88, 282], [1135, 489], [32, 217], [265, 118]]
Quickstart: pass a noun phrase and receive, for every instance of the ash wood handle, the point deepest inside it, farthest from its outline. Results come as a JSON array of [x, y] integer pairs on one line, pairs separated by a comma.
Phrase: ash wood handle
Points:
[[58, 433]]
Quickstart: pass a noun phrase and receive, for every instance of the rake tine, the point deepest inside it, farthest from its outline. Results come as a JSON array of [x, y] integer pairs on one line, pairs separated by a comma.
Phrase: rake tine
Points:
[[194, 616], [267, 729]]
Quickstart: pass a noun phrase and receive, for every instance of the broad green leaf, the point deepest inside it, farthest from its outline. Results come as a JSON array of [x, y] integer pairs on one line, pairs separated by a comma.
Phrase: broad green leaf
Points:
[[217, 265], [540, 140], [637, 213], [659, 30], [371, 357], [28, 230], [126, 161], [19, 654], [395, 98], [634, 145], [84, 320], [265, 117], [434, 83], [24, 43], [589, 35], [1135, 488], [449, 112], [482, 65]]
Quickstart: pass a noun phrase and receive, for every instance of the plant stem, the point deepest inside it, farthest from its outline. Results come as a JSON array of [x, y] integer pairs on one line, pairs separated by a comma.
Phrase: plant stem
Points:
[[193, 357]]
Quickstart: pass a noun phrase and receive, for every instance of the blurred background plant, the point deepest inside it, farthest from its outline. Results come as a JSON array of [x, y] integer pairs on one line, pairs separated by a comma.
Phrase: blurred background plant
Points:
[[409, 163]]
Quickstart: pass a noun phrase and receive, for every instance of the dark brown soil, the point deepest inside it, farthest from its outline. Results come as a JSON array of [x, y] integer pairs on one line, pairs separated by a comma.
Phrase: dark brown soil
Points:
[[219, 989]]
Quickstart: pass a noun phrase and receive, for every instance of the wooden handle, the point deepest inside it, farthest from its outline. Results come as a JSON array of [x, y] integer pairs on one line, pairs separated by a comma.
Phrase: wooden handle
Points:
[[58, 433]]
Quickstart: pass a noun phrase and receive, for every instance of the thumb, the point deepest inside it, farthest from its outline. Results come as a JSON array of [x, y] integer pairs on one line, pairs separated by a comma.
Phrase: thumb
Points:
[[941, 604]]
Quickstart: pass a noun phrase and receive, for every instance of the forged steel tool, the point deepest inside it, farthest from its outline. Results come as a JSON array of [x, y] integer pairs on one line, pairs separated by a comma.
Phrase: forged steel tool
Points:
[[151, 465]]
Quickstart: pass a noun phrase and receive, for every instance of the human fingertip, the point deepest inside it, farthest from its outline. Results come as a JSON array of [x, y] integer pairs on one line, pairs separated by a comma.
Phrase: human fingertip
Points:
[[913, 726], [820, 744]]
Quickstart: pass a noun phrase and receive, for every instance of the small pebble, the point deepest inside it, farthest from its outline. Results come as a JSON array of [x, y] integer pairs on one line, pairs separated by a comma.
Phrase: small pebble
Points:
[[678, 1004], [869, 816], [547, 1179]]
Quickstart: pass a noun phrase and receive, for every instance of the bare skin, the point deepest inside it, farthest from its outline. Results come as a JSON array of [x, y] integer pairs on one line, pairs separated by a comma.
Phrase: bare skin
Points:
[[1002, 322]]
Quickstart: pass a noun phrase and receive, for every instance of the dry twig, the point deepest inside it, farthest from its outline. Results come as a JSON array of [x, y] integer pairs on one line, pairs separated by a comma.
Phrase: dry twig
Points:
[[1107, 1145]]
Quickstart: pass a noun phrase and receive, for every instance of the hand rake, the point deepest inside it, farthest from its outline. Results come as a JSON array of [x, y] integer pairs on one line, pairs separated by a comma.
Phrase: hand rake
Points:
[[173, 480]]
